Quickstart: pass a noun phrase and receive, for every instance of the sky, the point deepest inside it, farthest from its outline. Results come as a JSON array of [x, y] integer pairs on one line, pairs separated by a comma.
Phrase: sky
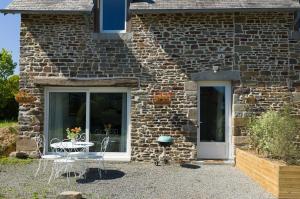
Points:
[[10, 33]]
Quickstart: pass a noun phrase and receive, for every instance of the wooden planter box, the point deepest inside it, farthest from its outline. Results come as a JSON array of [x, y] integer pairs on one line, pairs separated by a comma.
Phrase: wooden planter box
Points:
[[281, 180]]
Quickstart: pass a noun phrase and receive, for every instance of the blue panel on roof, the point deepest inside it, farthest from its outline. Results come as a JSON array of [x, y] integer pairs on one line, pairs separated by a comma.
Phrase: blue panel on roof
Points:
[[113, 14]]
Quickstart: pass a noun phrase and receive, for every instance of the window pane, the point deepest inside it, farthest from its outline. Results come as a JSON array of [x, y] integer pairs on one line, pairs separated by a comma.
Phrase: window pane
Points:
[[108, 117], [113, 15], [66, 110], [212, 114]]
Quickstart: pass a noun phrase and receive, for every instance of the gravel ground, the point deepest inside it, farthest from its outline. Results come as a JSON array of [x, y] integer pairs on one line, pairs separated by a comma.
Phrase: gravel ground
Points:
[[135, 180]]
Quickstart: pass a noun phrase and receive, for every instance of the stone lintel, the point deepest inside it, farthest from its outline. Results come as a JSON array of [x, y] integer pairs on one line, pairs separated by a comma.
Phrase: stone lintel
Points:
[[85, 82], [233, 75]]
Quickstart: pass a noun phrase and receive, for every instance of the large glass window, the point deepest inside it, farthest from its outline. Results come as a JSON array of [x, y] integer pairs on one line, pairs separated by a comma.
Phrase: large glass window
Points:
[[98, 114], [113, 15]]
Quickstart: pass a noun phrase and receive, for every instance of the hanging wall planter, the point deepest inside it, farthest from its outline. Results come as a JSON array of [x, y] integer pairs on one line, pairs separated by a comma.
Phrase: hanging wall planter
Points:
[[24, 97], [162, 98]]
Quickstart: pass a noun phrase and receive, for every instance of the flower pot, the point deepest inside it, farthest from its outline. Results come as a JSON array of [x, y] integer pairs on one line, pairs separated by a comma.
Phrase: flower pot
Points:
[[24, 97]]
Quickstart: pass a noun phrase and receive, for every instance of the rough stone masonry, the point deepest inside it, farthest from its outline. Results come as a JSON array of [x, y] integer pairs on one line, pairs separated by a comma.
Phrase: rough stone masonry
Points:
[[165, 50]]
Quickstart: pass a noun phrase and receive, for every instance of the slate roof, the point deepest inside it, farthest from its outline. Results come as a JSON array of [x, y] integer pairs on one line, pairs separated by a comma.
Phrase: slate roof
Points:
[[140, 6], [31, 6], [211, 5]]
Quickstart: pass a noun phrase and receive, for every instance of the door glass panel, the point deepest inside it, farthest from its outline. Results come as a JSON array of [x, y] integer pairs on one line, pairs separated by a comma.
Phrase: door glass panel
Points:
[[66, 110], [212, 114], [108, 116]]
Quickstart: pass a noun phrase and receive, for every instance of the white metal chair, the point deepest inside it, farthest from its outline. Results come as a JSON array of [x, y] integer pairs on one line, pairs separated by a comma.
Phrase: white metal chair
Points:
[[80, 154], [99, 157], [41, 149], [62, 165]]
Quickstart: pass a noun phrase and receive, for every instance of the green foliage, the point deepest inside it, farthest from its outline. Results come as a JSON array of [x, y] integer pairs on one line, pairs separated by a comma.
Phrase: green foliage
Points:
[[275, 134], [8, 88], [14, 161], [35, 195], [9, 85], [7, 65], [6, 123]]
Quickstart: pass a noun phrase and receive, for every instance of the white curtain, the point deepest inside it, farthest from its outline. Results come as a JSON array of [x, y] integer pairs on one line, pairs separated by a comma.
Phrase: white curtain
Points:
[[57, 110]]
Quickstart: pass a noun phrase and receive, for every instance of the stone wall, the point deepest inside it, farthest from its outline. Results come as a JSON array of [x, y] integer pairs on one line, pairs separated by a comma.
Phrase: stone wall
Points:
[[165, 50]]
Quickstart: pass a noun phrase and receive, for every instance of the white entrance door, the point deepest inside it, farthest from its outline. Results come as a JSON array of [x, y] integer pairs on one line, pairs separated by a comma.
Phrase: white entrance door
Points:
[[214, 100]]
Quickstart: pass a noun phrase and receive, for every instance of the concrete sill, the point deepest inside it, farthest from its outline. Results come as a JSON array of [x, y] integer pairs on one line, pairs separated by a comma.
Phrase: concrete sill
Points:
[[113, 36]]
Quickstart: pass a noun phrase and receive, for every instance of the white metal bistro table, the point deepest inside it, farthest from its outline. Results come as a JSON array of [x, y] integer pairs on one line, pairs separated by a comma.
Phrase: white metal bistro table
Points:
[[70, 156], [71, 145]]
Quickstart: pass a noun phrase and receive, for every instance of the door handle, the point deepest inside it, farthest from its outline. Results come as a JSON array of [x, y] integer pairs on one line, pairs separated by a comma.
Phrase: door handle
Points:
[[197, 125]]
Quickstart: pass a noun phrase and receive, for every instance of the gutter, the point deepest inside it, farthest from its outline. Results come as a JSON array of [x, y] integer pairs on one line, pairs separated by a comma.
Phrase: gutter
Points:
[[210, 10], [8, 11]]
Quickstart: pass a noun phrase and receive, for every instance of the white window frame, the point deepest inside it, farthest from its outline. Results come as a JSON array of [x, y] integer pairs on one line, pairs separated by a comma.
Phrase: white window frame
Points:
[[101, 20], [110, 156]]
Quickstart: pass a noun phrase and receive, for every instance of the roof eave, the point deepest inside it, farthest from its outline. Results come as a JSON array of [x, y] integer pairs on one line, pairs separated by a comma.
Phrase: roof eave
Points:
[[161, 11], [9, 11]]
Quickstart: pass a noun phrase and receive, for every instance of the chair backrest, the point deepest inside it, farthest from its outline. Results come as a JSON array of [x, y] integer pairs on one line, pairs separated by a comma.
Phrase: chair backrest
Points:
[[39, 143], [104, 145], [81, 137], [52, 141]]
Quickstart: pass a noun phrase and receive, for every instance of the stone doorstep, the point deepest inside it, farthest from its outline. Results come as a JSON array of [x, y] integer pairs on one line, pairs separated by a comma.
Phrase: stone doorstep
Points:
[[214, 162]]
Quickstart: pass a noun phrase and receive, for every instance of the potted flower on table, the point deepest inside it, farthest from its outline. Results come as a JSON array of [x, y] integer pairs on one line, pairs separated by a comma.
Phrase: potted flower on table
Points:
[[73, 133], [107, 129]]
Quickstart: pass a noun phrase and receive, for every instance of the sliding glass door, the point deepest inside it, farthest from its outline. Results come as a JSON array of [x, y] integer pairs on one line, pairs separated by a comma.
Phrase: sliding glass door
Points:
[[99, 113], [108, 117]]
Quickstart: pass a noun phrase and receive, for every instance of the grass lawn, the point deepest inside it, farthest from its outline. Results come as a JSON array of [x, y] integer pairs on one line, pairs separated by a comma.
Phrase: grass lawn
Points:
[[14, 161], [6, 123]]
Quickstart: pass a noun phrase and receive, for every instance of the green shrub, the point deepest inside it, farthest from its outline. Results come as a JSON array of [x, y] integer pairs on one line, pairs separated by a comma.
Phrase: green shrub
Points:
[[275, 134]]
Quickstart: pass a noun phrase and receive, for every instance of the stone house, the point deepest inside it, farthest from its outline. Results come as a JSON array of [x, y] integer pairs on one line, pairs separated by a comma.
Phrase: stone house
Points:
[[138, 69]]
